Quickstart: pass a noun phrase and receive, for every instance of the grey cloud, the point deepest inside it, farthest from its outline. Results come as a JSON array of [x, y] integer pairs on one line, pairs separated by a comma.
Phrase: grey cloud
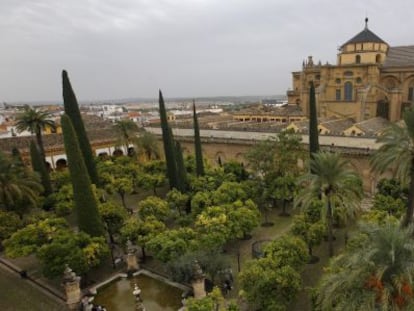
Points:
[[127, 48]]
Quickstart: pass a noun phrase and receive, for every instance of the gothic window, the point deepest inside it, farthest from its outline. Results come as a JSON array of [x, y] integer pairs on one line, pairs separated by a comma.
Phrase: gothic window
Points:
[[348, 91], [358, 59]]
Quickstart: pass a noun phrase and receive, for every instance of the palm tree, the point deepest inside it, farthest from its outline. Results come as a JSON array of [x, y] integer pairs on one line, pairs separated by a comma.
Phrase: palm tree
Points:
[[375, 273], [35, 121], [397, 152], [331, 180], [147, 144], [126, 130], [17, 185]]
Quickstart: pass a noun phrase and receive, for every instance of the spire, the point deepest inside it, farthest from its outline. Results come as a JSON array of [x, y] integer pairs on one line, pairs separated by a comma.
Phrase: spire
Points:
[[366, 22]]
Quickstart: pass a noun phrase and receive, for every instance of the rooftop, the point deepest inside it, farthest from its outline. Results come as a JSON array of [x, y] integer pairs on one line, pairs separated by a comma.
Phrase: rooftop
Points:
[[400, 56], [365, 35]]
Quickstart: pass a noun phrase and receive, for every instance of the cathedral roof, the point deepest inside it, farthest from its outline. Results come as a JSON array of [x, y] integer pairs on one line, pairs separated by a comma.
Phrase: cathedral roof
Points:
[[400, 56], [365, 35]]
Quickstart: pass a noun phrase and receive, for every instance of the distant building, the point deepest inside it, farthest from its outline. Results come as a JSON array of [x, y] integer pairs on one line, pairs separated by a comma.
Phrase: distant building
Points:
[[260, 113], [371, 79]]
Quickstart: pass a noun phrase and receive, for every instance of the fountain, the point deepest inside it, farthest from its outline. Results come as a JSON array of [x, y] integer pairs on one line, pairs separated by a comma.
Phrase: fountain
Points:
[[157, 294]]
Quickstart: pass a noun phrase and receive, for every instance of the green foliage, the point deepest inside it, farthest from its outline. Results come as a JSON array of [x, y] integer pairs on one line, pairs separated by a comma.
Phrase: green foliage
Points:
[[113, 216], [203, 304], [29, 239], [267, 286], [39, 166], [169, 152], [214, 227], [394, 207], [374, 273], [35, 121], [80, 251], [205, 183], [331, 180], [212, 262], [200, 201], [229, 192], [276, 156], [60, 178], [86, 208], [153, 207], [177, 200], [287, 250], [172, 244], [182, 181], [313, 122], [197, 145], [71, 107], [310, 232], [126, 131], [19, 188], [396, 153], [62, 201], [391, 198], [55, 244], [243, 218], [9, 223], [236, 169], [392, 188], [147, 145], [141, 232]]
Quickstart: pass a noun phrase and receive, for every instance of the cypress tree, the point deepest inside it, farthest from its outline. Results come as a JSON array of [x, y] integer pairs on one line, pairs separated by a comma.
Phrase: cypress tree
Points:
[[313, 122], [169, 151], [182, 174], [72, 110], [38, 165], [86, 206], [197, 145]]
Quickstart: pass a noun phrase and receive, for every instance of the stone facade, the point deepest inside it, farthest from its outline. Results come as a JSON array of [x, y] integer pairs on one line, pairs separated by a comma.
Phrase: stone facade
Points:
[[371, 79]]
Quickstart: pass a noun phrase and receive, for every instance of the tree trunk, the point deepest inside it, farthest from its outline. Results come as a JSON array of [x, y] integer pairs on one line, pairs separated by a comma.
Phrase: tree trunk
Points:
[[39, 140], [330, 228], [144, 255], [408, 219], [122, 195], [310, 251]]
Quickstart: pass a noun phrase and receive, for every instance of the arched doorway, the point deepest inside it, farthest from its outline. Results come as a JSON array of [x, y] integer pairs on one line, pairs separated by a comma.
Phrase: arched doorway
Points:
[[61, 164], [383, 108]]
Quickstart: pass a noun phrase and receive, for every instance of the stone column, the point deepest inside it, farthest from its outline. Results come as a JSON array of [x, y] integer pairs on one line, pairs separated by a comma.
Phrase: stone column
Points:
[[198, 281], [71, 283], [131, 258], [395, 101]]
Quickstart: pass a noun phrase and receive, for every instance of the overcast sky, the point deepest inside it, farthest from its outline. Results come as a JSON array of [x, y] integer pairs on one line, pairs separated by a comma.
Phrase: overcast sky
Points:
[[116, 49]]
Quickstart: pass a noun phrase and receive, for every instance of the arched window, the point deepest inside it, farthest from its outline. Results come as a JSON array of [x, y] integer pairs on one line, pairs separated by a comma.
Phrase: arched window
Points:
[[411, 93], [358, 59], [378, 58], [348, 91]]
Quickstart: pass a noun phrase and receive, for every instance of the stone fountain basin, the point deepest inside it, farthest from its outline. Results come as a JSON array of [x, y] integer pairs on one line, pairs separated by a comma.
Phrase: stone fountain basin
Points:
[[157, 292]]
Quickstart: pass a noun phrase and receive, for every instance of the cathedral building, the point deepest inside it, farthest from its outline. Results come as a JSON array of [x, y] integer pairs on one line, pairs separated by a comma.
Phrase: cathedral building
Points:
[[371, 79]]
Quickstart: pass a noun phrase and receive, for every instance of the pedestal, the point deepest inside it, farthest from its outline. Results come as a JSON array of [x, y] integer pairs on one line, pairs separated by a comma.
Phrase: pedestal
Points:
[[132, 262], [73, 293], [198, 288]]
